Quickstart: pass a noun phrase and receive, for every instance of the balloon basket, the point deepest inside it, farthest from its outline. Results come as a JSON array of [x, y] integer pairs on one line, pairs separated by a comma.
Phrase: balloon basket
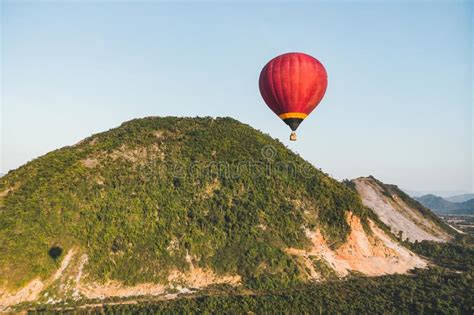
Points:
[[293, 136]]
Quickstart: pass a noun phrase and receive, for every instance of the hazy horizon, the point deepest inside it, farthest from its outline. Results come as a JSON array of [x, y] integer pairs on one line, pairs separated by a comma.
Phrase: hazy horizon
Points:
[[398, 104]]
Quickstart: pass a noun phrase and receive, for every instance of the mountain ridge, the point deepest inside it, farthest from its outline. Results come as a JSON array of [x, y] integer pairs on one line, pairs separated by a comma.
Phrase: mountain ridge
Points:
[[442, 206], [460, 198]]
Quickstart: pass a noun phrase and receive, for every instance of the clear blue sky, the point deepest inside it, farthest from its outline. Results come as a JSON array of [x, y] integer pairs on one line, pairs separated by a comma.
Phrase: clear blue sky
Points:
[[398, 104]]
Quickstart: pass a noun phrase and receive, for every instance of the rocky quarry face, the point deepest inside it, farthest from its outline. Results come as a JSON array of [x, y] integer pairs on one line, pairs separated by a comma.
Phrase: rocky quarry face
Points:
[[403, 219]]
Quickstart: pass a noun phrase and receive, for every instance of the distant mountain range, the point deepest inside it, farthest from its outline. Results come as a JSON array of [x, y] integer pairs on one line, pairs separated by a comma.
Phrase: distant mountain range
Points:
[[460, 198], [448, 205], [446, 194]]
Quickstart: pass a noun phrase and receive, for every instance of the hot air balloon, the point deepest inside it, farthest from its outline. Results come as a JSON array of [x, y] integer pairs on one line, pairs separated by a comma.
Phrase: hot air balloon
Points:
[[292, 85]]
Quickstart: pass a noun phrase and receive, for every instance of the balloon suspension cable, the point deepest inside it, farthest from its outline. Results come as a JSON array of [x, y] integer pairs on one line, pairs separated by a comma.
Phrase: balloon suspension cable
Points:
[[293, 136]]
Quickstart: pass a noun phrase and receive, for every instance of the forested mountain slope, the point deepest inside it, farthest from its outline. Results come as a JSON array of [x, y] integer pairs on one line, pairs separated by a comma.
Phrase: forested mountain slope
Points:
[[161, 205]]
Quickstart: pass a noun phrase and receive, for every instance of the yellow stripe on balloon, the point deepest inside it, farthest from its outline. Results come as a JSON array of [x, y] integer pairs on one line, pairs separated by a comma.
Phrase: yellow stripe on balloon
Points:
[[293, 115]]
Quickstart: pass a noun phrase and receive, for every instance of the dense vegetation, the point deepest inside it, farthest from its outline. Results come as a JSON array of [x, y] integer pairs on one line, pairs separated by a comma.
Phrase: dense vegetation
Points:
[[139, 198], [458, 255], [438, 290], [425, 293]]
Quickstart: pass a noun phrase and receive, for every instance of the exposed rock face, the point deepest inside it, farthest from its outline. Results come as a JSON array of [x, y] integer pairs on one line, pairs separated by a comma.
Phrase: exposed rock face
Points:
[[397, 214], [372, 254]]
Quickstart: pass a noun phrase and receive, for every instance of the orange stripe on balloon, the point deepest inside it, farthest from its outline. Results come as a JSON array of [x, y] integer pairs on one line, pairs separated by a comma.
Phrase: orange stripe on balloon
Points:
[[293, 115]]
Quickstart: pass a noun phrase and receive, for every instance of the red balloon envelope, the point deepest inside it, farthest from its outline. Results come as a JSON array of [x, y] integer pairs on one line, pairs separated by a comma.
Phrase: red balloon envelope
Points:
[[292, 85]]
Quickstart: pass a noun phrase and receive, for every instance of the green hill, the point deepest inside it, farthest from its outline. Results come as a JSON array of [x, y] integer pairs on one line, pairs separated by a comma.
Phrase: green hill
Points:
[[142, 198]]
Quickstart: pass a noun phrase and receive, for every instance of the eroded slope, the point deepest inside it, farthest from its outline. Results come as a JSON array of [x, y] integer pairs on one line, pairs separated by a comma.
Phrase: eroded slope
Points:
[[409, 220]]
